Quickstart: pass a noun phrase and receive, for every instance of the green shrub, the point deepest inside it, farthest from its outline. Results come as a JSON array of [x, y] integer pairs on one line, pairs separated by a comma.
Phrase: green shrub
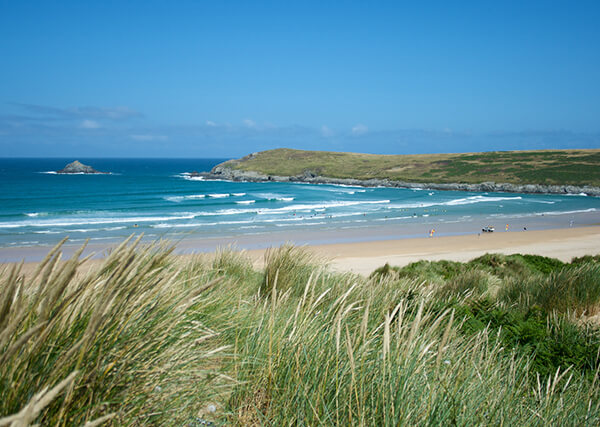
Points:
[[543, 264], [551, 342], [586, 259]]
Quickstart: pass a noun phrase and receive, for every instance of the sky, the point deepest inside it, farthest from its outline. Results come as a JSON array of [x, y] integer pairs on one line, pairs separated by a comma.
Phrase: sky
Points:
[[227, 78]]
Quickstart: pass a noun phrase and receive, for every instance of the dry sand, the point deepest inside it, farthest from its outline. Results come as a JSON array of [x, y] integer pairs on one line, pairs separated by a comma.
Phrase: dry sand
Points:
[[364, 257]]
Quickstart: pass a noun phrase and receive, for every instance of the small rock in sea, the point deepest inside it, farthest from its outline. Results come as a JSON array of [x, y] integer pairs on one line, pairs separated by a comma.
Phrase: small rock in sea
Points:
[[78, 167]]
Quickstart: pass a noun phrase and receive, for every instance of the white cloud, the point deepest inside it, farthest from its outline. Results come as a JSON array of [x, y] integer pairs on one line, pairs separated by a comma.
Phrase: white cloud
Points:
[[89, 124], [326, 131], [149, 137], [210, 123], [113, 113], [359, 129], [249, 123]]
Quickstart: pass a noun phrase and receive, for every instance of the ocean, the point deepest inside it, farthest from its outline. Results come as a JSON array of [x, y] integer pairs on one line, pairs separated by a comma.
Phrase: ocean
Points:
[[157, 197]]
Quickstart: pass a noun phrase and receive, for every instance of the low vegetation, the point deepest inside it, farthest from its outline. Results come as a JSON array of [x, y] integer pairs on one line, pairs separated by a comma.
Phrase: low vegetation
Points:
[[149, 338], [558, 167]]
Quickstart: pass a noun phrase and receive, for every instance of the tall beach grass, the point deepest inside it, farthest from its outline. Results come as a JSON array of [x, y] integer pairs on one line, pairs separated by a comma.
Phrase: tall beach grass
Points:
[[147, 338]]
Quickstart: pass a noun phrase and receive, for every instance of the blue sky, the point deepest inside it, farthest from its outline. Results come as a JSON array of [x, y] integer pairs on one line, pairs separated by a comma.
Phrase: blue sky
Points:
[[222, 79]]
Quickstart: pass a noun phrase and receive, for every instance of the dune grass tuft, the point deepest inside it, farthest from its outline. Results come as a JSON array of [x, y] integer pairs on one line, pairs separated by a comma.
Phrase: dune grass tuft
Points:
[[287, 268], [119, 340]]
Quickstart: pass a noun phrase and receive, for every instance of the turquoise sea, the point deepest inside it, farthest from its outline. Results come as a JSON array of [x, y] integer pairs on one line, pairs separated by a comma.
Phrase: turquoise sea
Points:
[[158, 197]]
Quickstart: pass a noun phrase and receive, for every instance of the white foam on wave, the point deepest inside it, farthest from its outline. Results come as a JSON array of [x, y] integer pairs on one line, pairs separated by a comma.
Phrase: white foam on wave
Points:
[[324, 205], [478, 199], [456, 202], [317, 207], [179, 199], [273, 196], [174, 199], [348, 191], [218, 195], [77, 173], [93, 221], [245, 202], [200, 224], [238, 194], [546, 202], [344, 185], [393, 218], [187, 176], [88, 230]]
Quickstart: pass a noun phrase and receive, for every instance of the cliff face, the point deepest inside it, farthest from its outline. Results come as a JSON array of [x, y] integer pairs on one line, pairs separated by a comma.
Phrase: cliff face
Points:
[[230, 174], [77, 167]]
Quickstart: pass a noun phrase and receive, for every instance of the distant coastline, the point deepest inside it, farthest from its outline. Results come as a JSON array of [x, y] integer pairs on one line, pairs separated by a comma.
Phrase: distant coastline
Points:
[[574, 172], [226, 173]]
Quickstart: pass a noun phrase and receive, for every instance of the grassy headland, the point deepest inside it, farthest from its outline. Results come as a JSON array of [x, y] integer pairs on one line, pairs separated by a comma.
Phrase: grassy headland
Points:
[[546, 167], [149, 338]]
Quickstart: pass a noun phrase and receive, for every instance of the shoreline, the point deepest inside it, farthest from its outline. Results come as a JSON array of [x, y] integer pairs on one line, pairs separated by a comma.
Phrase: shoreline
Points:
[[363, 257], [369, 231], [225, 173]]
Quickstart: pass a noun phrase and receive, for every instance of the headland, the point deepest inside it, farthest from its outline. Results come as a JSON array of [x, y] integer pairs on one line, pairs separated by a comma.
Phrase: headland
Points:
[[541, 171]]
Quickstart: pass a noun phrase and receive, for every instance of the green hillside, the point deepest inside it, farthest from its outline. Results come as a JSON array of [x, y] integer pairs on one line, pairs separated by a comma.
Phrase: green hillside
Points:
[[559, 167]]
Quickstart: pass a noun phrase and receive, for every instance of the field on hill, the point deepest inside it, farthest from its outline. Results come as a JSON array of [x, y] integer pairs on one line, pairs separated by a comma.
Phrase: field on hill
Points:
[[558, 167], [150, 338]]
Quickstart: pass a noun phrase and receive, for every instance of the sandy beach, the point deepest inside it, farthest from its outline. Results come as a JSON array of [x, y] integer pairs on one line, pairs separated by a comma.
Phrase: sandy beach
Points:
[[365, 256]]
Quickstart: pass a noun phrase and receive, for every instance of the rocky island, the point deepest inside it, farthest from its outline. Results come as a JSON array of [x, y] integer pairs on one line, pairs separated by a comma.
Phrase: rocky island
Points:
[[541, 171], [77, 167]]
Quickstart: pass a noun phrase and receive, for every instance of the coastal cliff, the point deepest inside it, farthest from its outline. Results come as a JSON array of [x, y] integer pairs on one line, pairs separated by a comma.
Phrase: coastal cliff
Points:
[[351, 169]]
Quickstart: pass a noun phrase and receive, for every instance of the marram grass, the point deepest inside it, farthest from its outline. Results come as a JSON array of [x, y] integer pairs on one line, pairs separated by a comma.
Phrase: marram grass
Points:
[[117, 343], [148, 338]]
